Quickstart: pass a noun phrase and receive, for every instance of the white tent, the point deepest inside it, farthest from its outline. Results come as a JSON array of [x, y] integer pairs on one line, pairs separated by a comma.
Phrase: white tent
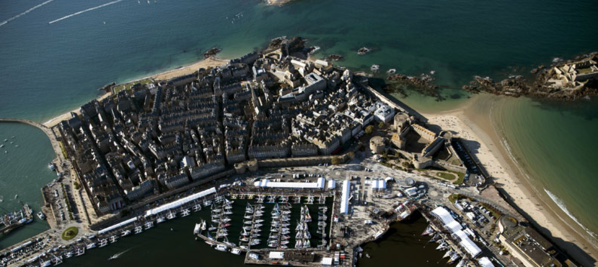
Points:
[[277, 255], [116, 226], [180, 202], [485, 262], [471, 248], [455, 228], [319, 184], [345, 197], [326, 261]]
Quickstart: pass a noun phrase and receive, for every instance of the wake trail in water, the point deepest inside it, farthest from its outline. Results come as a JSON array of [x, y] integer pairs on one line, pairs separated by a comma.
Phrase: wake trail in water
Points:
[[83, 11], [115, 256], [24, 13]]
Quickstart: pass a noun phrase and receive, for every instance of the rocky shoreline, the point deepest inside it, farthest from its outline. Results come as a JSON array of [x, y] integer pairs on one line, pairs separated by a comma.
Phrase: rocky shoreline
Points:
[[571, 80], [563, 80], [423, 84]]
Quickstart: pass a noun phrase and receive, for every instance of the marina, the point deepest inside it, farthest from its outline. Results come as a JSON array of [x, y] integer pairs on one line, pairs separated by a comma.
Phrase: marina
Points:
[[14, 220]]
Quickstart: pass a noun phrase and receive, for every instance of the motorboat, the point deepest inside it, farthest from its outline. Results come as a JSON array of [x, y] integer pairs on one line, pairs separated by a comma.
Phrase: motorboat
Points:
[[221, 247]]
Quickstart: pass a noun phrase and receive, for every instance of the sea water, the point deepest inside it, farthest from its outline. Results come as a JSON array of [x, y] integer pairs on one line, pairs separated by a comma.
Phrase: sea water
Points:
[[48, 69]]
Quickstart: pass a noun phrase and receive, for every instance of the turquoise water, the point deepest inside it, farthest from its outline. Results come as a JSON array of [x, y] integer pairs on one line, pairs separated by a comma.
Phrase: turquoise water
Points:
[[560, 137], [48, 69]]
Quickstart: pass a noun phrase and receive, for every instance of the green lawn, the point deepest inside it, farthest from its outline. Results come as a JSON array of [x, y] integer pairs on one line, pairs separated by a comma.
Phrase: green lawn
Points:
[[446, 175], [70, 233], [120, 87]]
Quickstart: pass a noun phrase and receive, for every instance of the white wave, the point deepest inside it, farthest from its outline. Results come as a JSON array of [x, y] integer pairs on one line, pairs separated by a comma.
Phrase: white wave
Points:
[[24, 13], [563, 207], [83, 11]]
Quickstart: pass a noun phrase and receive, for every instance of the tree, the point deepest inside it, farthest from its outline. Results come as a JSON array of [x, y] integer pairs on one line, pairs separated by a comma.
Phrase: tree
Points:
[[77, 185], [381, 125], [335, 160], [369, 129], [351, 155]]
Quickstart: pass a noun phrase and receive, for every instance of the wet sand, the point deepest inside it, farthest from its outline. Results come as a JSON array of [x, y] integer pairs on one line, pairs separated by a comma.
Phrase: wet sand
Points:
[[475, 122]]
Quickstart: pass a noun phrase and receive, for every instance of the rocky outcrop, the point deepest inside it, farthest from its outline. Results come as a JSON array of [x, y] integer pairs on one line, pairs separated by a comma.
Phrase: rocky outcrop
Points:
[[212, 52], [568, 81], [423, 84]]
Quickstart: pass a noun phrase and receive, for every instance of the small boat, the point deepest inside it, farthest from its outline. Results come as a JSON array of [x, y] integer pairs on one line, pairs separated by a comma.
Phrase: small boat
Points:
[[171, 215], [160, 219], [91, 245], [103, 242], [391, 71], [149, 225], [80, 251], [221, 247], [197, 228], [113, 239], [138, 229], [115, 256], [41, 215], [197, 207], [236, 251], [313, 49], [125, 233], [442, 246], [428, 230], [375, 68], [185, 213], [454, 258], [448, 254]]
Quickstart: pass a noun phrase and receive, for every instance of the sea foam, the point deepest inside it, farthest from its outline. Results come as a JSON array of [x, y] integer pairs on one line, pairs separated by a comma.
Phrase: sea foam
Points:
[[563, 207]]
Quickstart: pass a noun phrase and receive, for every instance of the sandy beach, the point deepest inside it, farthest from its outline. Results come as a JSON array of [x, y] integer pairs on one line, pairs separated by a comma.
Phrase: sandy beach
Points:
[[473, 122], [205, 63], [184, 70]]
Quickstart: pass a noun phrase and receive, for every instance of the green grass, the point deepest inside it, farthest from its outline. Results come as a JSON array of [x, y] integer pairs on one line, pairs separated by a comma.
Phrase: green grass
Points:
[[70, 233], [127, 86], [454, 197], [460, 179], [62, 149], [492, 210], [445, 175], [68, 203]]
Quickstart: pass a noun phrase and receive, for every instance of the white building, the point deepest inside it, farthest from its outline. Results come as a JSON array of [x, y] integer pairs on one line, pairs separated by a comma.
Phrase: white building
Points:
[[319, 184], [345, 197]]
